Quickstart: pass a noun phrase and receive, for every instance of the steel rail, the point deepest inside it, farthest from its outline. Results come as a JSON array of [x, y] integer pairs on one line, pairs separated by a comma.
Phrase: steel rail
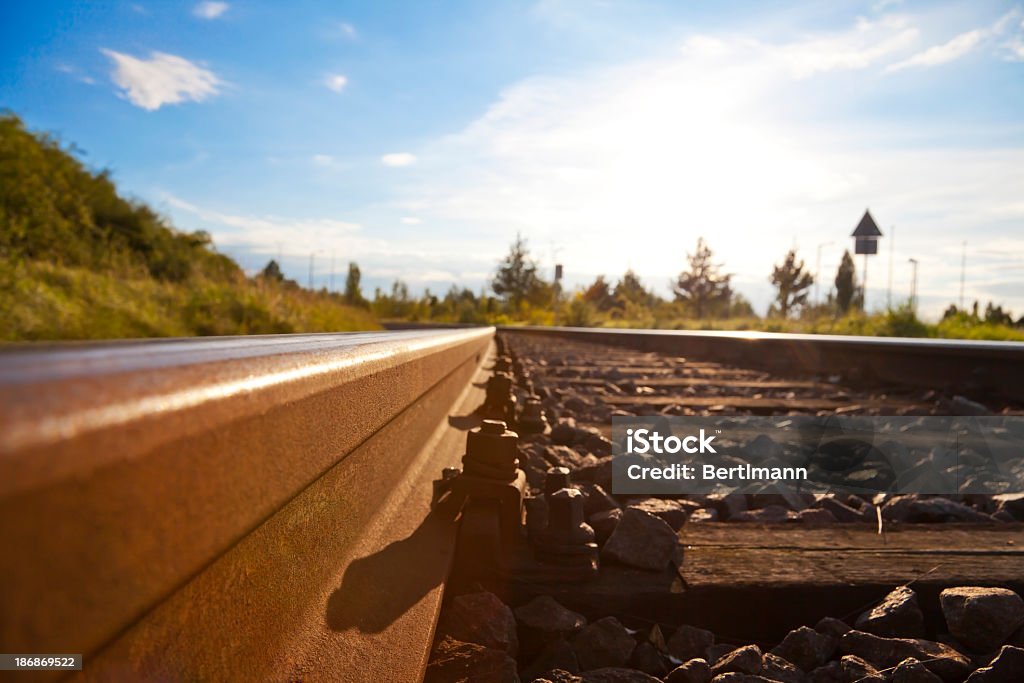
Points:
[[230, 508], [981, 368]]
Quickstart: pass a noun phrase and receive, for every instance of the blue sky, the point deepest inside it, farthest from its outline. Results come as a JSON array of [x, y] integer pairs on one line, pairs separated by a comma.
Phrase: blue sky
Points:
[[418, 138]]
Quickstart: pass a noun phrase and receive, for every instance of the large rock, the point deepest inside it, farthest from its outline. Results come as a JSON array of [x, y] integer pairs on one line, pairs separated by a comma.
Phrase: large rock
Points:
[[828, 673], [982, 618], [832, 626], [595, 499], [646, 658], [618, 675], [898, 615], [604, 523], [641, 540], [930, 510], [856, 669], [545, 616], [1007, 667], [690, 642], [885, 653], [1011, 504], [481, 618], [694, 671], [674, 512], [911, 670], [564, 433], [744, 660], [454, 661], [556, 655], [778, 669], [604, 643], [806, 648]]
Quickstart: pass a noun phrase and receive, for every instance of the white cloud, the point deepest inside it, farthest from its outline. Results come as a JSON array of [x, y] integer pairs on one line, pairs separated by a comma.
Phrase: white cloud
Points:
[[335, 82], [161, 79], [729, 138], [210, 10], [323, 160], [347, 30], [398, 159], [303, 234], [943, 54], [961, 45], [411, 220]]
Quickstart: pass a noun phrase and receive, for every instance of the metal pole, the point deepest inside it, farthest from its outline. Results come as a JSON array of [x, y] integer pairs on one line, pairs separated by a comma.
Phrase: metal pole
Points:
[[817, 273], [331, 279], [963, 270], [310, 270], [892, 245], [913, 286], [864, 287]]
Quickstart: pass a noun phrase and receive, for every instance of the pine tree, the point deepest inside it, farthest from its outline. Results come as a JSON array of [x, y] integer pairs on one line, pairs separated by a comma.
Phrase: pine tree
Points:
[[353, 293], [846, 289], [516, 280], [703, 287], [792, 283]]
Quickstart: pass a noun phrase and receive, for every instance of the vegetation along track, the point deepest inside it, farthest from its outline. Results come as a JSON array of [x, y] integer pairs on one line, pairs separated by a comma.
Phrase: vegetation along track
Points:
[[279, 508]]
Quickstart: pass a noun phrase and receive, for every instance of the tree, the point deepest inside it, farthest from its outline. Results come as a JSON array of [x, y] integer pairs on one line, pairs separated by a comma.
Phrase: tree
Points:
[[792, 283], [516, 280], [630, 290], [846, 288], [353, 294], [599, 294], [272, 272], [703, 287]]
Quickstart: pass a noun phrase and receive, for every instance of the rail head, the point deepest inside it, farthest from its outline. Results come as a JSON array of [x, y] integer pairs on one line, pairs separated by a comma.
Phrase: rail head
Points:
[[129, 471]]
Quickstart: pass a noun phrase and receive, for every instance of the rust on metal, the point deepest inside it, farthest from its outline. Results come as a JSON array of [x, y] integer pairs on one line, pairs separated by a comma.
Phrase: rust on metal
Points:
[[230, 508]]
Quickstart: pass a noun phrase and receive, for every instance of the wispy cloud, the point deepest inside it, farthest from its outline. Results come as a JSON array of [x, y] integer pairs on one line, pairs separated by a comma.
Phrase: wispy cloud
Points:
[[335, 82], [325, 160], [76, 73], [161, 79], [942, 54], [398, 159], [959, 46], [268, 231], [347, 30], [210, 10], [411, 220]]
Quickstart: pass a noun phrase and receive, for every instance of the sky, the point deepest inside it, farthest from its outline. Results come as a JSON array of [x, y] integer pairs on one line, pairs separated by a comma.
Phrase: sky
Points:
[[419, 138]]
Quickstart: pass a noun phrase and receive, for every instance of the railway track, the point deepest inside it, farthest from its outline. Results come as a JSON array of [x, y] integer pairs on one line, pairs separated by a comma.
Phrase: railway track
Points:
[[276, 508]]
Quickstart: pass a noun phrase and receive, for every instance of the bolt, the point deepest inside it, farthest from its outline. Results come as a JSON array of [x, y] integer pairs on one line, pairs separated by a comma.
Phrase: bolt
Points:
[[566, 529], [493, 427], [557, 478]]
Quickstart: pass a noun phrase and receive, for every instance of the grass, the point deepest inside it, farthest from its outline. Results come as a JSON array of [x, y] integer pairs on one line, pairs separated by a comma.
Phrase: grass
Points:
[[40, 300]]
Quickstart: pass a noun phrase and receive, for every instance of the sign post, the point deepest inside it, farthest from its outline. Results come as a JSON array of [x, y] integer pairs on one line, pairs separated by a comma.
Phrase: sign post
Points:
[[865, 237]]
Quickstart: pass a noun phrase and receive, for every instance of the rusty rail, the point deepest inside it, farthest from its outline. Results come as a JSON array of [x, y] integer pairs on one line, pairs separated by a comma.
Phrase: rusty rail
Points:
[[231, 508], [963, 366]]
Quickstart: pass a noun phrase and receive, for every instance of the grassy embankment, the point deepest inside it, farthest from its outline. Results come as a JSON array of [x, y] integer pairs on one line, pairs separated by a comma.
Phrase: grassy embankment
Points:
[[78, 261]]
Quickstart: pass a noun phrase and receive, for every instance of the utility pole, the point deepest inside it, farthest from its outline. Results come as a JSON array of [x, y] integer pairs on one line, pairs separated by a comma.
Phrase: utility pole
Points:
[[963, 272], [888, 291], [331, 279], [913, 286], [817, 273], [310, 271]]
